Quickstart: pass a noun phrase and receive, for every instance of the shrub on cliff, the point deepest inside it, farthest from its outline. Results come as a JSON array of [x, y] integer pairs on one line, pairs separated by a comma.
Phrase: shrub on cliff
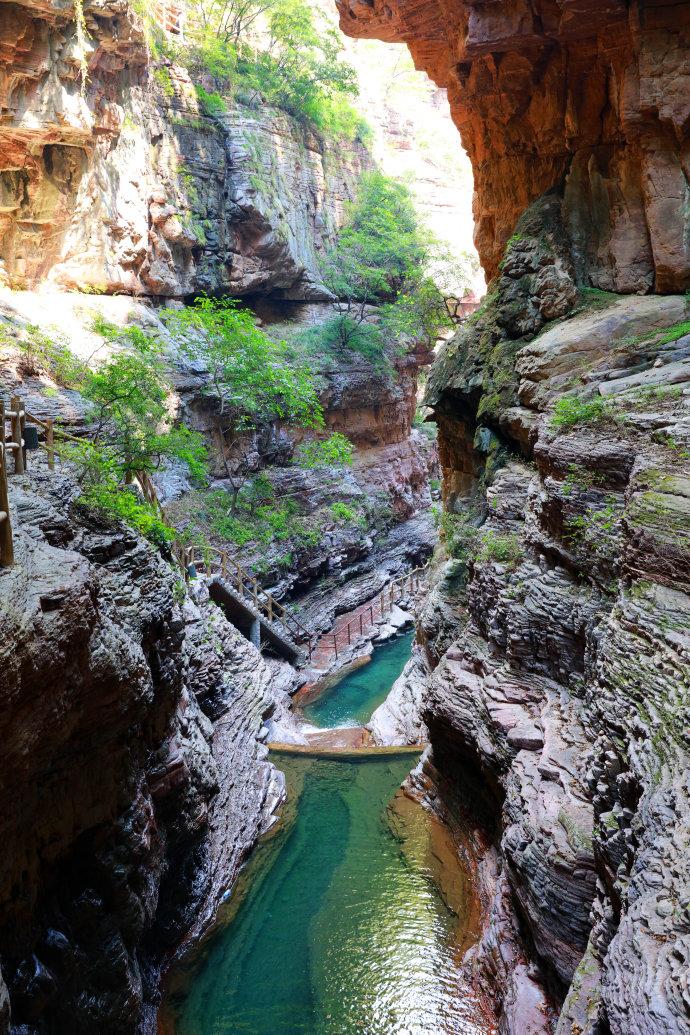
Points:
[[344, 333], [381, 259], [381, 247], [254, 380], [251, 377], [570, 411], [99, 475], [334, 451], [128, 407], [276, 52]]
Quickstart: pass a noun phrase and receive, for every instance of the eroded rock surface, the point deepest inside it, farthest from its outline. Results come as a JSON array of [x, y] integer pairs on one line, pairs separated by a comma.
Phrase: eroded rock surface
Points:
[[559, 638], [592, 96], [124, 184], [160, 700]]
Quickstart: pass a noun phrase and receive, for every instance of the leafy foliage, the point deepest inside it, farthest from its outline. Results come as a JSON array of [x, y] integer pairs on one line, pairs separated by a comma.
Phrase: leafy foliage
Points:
[[275, 51], [419, 313], [381, 248], [569, 411], [100, 477], [128, 394], [256, 517], [503, 548], [460, 534], [42, 353], [334, 451], [255, 381], [212, 103], [380, 259], [343, 333], [252, 377], [342, 512]]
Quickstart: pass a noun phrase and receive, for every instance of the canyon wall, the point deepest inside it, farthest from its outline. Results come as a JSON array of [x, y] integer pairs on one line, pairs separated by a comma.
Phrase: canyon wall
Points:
[[558, 639], [123, 184], [127, 813], [555, 637], [589, 97], [135, 780]]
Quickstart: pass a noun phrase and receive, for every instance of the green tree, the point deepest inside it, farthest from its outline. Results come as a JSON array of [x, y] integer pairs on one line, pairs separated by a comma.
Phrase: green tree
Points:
[[275, 50], [252, 379], [128, 394], [334, 451], [379, 270], [382, 246], [418, 314]]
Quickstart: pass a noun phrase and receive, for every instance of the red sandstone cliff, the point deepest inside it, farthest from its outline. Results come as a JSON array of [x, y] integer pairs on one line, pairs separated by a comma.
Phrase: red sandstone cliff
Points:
[[589, 95]]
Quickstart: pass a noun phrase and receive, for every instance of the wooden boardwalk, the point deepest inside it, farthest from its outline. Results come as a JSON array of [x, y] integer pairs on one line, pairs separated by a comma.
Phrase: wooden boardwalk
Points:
[[356, 624], [254, 610]]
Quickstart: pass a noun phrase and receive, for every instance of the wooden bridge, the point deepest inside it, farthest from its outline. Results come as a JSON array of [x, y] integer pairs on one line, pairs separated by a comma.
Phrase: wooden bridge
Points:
[[251, 608]]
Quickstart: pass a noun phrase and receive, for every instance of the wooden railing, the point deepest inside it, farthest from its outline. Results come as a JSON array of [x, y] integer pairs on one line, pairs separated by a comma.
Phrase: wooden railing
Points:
[[218, 562], [209, 559], [15, 447], [395, 591]]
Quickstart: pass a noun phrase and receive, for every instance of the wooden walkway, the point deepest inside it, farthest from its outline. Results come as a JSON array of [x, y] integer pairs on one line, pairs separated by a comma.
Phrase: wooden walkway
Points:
[[236, 589], [248, 605], [370, 751], [356, 624]]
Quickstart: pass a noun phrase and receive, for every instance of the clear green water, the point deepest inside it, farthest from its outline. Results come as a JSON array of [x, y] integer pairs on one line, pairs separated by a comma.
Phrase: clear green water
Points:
[[352, 701], [338, 927]]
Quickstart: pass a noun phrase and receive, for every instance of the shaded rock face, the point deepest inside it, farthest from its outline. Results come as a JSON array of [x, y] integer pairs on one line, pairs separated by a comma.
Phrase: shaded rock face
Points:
[[558, 638], [125, 185], [590, 97], [114, 782]]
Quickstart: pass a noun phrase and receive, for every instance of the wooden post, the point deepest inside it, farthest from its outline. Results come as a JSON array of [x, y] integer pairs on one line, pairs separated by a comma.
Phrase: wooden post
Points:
[[50, 442], [270, 608], [16, 424], [360, 623], [6, 544], [349, 638], [22, 422]]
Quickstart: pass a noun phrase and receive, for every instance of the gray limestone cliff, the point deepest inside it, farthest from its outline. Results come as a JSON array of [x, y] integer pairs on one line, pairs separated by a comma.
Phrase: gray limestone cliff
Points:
[[557, 640]]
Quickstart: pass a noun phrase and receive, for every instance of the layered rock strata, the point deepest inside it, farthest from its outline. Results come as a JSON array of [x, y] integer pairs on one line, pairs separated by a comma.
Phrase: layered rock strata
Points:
[[133, 782], [558, 634], [113, 178], [588, 97]]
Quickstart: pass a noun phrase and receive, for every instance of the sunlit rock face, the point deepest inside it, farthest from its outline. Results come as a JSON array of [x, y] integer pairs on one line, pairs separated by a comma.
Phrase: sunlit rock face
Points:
[[113, 179], [591, 97]]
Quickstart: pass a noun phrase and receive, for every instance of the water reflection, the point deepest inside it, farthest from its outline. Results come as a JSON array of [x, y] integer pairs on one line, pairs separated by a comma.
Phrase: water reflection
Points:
[[342, 930]]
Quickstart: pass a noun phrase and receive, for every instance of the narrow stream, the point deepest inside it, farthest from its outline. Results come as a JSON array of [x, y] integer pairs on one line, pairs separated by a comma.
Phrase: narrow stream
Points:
[[339, 925], [351, 701]]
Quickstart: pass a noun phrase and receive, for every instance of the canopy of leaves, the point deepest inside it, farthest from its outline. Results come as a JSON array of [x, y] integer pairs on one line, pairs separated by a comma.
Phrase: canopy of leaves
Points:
[[274, 51], [99, 474], [334, 451], [128, 395], [342, 334], [382, 247], [253, 378]]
